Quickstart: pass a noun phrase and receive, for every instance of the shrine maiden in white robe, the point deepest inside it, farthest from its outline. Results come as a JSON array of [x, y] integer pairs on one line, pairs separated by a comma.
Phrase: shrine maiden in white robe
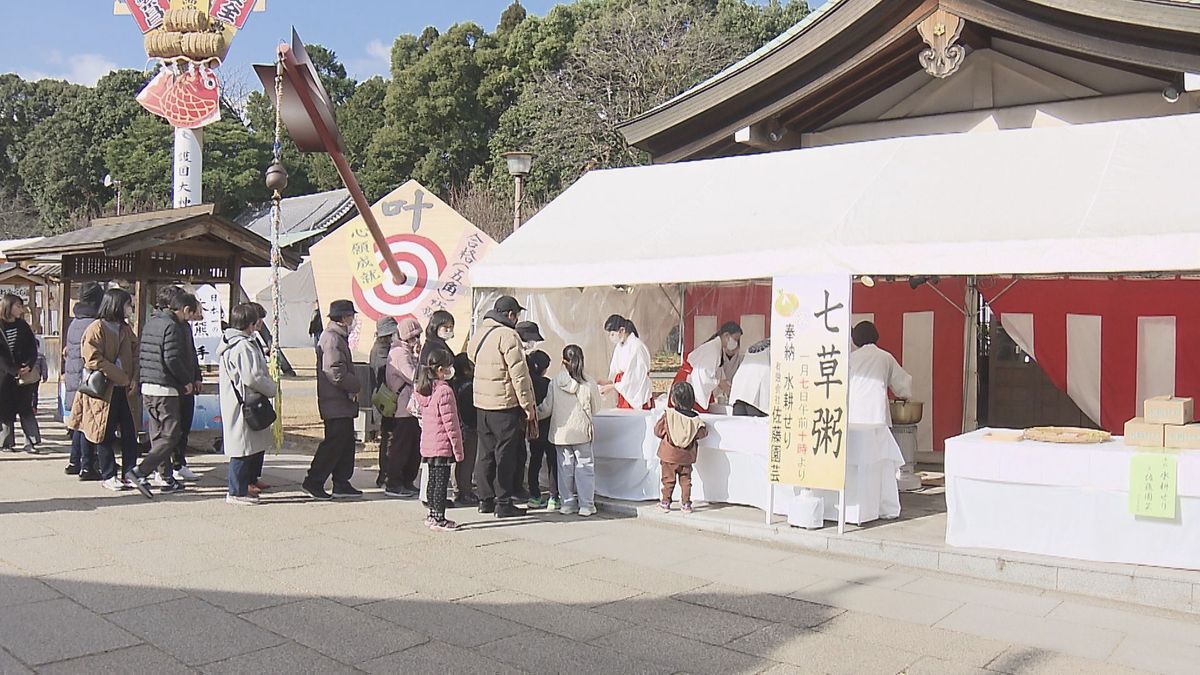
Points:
[[872, 372], [752, 382], [710, 367], [630, 372]]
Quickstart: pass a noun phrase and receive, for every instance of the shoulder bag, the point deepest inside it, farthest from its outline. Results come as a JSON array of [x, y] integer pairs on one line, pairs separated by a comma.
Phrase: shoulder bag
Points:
[[93, 383], [259, 413]]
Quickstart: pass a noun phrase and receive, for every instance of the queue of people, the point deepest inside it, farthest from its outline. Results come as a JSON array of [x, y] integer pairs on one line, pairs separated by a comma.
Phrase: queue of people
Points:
[[483, 422]]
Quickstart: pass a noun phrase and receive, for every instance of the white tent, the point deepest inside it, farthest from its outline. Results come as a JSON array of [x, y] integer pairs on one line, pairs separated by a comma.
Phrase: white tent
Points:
[[1096, 198], [299, 295]]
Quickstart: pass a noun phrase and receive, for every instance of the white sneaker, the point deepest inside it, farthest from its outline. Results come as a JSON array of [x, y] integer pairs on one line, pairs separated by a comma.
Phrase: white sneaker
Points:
[[567, 509], [186, 473], [241, 501], [157, 480], [586, 511], [115, 484]]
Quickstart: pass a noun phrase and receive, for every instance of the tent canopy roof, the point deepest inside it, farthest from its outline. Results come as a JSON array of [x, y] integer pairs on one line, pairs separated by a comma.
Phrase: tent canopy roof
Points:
[[1097, 198]]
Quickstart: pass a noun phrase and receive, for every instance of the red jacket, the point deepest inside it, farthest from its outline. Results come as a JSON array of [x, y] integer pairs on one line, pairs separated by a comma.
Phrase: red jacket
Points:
[[441, 433]]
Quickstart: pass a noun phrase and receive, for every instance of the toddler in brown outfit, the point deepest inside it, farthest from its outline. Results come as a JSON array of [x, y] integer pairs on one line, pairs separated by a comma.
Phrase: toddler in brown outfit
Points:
[[680, 428]]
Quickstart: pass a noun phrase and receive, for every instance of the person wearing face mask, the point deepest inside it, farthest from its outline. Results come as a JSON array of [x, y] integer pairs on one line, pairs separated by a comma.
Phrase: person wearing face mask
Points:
[[337, 402], [629, 371], [385, 332], [110, 346], [710, 367], [404, 453], [531, 336], [438, 335]]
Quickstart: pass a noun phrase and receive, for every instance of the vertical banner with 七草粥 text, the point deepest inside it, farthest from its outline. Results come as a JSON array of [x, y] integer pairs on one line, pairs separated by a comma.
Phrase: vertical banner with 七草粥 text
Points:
[[810, 349]]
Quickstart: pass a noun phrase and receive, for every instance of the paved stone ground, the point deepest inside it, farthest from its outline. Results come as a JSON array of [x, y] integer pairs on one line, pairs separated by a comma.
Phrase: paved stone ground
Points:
[[92, 581]]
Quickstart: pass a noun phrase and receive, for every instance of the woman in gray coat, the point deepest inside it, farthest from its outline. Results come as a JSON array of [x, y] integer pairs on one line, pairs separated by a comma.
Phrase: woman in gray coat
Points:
[[243, 376]]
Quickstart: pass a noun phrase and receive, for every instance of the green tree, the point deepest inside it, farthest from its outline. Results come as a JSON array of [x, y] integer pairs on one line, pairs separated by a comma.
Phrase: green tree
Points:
[[62, 157]]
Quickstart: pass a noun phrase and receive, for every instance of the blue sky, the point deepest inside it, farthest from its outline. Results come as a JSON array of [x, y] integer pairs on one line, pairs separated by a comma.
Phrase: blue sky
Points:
[[80, 40]]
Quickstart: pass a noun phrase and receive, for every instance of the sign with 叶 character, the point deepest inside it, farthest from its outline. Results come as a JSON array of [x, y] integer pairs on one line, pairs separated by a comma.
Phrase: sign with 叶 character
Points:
[[434, 247], [1153, 487], [810, 346]]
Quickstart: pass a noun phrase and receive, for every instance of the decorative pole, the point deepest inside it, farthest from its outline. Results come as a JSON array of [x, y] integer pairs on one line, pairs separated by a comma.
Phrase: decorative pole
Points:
[[277, 179]]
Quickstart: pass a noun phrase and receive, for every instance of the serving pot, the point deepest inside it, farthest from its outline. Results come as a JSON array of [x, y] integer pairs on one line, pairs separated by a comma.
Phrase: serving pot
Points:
[[906, 412]]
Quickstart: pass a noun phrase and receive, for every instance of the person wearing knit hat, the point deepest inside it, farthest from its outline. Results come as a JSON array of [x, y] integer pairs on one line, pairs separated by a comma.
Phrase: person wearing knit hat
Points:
[[385, 331], [82, 460], [404, 452]]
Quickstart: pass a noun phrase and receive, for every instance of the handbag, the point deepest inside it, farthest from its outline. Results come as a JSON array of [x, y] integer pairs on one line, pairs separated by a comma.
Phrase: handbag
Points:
[[259, 413], [31, 376], [93, 383], [385, 400]]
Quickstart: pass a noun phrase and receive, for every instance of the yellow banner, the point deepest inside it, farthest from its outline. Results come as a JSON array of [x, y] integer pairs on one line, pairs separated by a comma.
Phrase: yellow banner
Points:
[[810, 349], [435, 248]]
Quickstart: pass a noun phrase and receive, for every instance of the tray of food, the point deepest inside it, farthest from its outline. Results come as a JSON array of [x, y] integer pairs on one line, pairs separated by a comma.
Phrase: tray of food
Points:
[[1066, 435]]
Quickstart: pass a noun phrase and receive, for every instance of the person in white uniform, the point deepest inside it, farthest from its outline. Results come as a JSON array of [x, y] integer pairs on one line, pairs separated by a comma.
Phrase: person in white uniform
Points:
[[873, 372], [751, 388], [711, 367], [629, 371]]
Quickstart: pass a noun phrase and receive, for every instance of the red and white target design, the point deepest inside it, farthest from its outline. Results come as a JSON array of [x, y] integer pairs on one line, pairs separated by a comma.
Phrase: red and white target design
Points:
[[422, 262]]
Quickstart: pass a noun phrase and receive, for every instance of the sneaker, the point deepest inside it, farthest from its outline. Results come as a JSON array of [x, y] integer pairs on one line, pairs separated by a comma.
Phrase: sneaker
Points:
[[347, 492], [380, 480], [157, 480], [316, 492], [185, 473], [115, 484], [134, 478], [664, 506], [400, 493], [444, 526], [71, 470], [467, 499], [537, 503], [173, 486], [487, 506], [508, 511], [241, 501], [33, 450], [586, 511], [553, 504], [687, 507], [568, 509], [8, 448], [90, 476]]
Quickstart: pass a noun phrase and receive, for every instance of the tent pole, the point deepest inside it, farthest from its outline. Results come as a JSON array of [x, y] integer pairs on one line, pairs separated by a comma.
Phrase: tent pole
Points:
[[971, 357]]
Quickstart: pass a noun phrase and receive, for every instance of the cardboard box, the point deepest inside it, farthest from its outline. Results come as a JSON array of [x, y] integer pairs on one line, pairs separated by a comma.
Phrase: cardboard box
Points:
[[1144, 434], [1185, 436], [1169, 410]]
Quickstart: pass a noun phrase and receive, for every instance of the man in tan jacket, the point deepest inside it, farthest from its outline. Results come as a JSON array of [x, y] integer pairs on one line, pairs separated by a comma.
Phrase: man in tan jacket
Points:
[[505, 400]]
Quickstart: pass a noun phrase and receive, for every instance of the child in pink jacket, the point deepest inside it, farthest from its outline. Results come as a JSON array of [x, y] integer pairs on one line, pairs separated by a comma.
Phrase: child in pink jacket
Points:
[[441, 435]]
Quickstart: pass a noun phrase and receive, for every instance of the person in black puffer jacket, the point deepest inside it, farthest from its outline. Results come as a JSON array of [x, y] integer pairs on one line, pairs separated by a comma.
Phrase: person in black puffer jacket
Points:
[[18, 355], [167, 363], [83, 453]]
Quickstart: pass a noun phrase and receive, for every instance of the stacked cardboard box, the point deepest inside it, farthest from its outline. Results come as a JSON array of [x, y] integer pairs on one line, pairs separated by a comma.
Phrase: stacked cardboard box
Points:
[[1166, 422]]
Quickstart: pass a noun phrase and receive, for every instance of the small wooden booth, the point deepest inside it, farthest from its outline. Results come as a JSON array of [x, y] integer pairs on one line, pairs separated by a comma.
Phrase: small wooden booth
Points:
[[191, 245]]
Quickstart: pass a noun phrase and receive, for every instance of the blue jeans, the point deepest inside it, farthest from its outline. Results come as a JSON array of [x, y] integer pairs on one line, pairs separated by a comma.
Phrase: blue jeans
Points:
[[119, 417], [243, 471], [83, 452]]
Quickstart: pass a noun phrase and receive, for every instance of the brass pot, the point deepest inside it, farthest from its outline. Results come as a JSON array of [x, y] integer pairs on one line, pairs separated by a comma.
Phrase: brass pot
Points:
[[906, 412]]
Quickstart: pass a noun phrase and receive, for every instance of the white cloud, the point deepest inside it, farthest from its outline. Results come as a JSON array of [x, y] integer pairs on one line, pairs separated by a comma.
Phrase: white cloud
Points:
[[79, 68], [378, 61]]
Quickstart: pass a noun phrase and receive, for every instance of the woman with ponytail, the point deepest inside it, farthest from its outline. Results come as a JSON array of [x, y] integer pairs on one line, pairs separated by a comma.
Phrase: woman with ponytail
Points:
[[629, 371]]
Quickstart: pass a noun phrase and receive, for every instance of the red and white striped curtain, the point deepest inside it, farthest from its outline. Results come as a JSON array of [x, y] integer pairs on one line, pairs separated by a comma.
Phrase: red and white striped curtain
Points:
[[1109, 344]]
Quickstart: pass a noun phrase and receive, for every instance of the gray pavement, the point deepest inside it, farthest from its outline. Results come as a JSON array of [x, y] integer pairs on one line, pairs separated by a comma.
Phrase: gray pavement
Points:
[[93, 581]]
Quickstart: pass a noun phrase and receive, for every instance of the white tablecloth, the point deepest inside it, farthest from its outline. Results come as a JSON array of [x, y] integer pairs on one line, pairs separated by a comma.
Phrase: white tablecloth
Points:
[[1064, 500], [732, 464]]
